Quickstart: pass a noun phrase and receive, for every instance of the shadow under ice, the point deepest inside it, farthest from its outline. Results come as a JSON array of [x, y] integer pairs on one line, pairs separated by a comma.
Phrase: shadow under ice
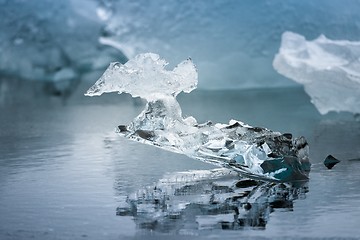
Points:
[[188, 202]]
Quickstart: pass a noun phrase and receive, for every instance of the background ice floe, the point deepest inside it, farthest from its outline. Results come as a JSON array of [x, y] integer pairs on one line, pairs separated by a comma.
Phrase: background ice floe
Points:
[[329, 70], [232, 42]]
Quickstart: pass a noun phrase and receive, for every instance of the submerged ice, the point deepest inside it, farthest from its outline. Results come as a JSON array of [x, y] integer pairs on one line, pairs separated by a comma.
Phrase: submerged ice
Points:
[[329, 70], [252, 151]]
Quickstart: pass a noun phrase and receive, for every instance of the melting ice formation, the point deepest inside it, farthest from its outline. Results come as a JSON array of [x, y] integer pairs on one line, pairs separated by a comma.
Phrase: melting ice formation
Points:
[[252, 151], [188, 202], [329, 70]]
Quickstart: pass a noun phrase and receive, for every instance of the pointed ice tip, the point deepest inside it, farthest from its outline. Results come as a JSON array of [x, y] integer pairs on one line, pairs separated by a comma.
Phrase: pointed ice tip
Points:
[[93, 91], [88, 94]]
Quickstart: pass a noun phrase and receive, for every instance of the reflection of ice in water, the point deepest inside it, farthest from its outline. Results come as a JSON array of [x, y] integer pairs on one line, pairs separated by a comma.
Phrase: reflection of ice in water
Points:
[[253, 151], [186, 202]]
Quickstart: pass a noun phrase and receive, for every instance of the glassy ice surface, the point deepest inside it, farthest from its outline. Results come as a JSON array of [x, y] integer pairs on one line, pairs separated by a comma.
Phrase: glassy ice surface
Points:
[[254, 151], [65, 174], [328, 69]]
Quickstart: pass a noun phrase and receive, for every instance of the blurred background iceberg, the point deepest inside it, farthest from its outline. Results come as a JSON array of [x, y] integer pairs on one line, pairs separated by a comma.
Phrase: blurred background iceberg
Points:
[[232, 42], [329, 70]]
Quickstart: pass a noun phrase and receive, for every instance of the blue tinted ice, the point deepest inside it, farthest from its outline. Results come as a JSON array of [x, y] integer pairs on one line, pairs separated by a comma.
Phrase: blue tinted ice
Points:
[[252, 151]]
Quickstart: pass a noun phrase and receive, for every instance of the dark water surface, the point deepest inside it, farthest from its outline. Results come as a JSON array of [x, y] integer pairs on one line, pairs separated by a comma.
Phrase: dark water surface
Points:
[[64, 172]]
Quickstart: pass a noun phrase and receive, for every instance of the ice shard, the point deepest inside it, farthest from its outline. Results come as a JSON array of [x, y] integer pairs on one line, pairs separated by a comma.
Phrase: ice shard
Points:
[[252, 151], [329, 70]]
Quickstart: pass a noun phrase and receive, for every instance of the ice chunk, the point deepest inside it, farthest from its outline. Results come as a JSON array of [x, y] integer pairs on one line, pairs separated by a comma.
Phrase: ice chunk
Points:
[[235, 145], [329, 70]]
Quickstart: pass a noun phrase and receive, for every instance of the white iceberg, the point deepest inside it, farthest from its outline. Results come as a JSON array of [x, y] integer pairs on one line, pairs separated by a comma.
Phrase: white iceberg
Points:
[[328, 69], [252, 151]]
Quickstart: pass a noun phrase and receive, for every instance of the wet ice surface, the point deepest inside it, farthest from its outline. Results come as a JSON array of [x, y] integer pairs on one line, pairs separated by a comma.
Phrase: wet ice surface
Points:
[[251, 151], [64, 172]]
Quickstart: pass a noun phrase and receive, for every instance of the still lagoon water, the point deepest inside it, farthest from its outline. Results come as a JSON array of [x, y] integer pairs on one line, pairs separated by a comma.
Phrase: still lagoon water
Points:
[[66, 174]]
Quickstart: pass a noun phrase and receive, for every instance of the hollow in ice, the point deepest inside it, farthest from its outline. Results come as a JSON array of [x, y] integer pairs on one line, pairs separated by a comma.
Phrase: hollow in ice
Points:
[[251, 151]]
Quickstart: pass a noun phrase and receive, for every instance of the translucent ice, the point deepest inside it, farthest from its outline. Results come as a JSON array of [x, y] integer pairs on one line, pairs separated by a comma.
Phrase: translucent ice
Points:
[[145, 76], [252, 151], [329, 70]]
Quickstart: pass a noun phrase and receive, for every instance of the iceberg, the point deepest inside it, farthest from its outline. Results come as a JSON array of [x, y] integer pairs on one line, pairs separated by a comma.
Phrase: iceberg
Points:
[[328, 69], [251, 151]]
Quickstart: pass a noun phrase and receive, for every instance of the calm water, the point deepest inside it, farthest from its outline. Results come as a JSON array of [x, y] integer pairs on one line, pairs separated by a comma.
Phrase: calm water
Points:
[[64, 172]]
